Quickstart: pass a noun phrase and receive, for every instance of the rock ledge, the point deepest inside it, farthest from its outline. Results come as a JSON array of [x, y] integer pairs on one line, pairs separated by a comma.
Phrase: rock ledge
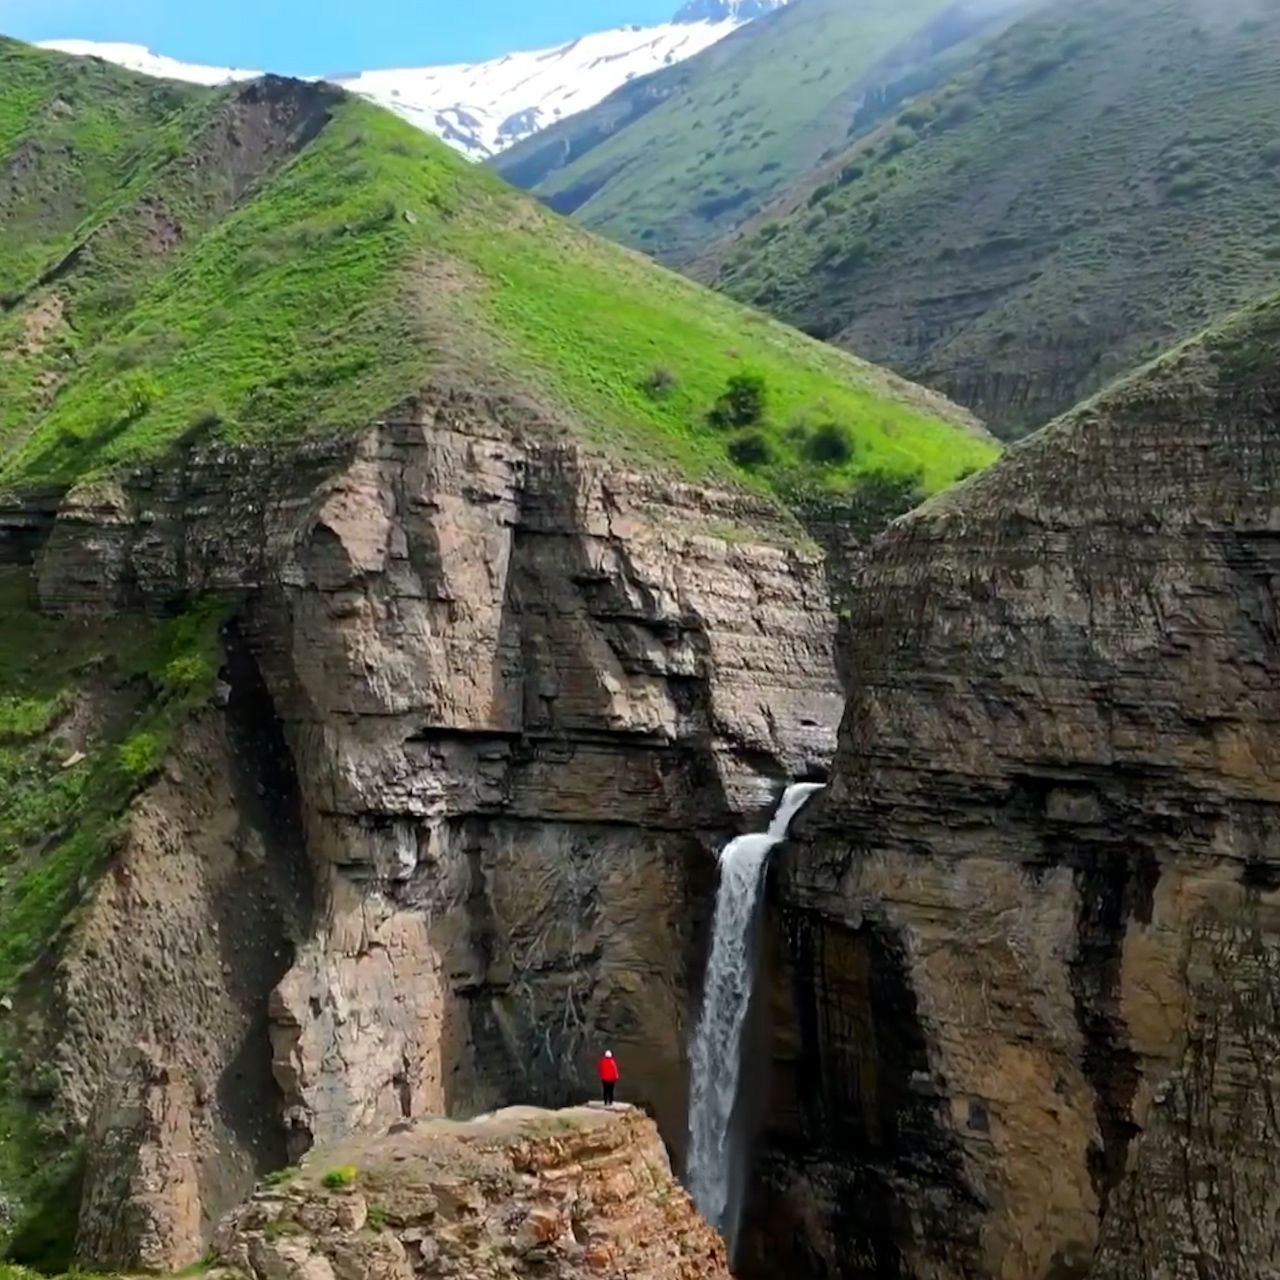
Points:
[[519, 1192]]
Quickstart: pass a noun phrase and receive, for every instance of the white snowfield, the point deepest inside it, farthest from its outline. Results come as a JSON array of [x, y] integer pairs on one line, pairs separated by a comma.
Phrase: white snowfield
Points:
[[137, 58], [482, 108]]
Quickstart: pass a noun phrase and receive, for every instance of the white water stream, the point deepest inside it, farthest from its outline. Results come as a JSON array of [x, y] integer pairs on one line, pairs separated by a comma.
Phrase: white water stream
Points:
[[715, 1057]]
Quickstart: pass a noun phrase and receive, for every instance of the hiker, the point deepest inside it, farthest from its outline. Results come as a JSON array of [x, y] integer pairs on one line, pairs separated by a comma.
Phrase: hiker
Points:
[[608, 1076]]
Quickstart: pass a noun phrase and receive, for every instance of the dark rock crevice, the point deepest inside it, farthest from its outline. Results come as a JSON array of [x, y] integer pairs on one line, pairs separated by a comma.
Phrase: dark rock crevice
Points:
[[268, 907], [857, 1112]]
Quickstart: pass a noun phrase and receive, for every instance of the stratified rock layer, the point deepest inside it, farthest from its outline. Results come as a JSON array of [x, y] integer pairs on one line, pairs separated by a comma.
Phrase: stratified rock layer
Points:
[[490, 705], [1026, 955], [584, 1192]]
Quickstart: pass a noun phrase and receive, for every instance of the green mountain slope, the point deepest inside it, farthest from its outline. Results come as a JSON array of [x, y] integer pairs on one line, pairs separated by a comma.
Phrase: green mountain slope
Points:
[[1101, 182], [277, 259], [670, 161]]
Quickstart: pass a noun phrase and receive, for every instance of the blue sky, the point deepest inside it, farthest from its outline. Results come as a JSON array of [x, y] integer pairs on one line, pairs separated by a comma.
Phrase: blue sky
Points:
[[326, 36]]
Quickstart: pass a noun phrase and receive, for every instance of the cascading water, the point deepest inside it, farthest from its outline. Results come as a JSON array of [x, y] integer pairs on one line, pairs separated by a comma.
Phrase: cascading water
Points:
[[715, 1057]]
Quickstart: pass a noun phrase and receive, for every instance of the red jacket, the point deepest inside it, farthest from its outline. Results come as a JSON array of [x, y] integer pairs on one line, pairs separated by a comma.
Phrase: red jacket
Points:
[[609, 1070]]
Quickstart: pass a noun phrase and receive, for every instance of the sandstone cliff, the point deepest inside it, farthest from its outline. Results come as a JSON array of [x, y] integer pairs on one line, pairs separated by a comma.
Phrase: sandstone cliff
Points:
[[489, 705], [582, 1192], [1026, 951]]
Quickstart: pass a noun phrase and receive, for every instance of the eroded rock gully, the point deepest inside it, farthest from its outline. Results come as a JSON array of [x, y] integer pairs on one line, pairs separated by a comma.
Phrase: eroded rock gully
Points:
[[1025, 948], [492, 706]]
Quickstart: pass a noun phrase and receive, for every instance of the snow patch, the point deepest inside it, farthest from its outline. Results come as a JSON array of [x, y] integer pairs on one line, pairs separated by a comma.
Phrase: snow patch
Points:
[[485, 107], [482, 108], [136, 57]]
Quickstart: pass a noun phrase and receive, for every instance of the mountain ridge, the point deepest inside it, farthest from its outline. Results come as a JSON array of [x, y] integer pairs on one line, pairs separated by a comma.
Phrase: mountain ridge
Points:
[[669, 163], [1092, 188], [180, 208], [483, 107]]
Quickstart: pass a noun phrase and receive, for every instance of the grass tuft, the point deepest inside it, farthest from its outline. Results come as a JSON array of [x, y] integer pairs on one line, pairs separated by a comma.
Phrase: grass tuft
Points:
[[340, 1178]]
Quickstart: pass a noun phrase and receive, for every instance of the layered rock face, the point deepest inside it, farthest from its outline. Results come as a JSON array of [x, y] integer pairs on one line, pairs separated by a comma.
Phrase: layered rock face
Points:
[[1025, 950], [582, 1192], [492, 705]]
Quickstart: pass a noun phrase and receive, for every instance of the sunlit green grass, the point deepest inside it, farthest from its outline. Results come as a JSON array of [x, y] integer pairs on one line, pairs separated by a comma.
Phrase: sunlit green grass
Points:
[[377, 261]]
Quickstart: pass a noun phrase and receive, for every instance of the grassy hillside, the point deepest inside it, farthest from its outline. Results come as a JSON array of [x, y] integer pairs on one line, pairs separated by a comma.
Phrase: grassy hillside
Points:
[[671, 161], [1102, 181], [87, 709], [278, 259]]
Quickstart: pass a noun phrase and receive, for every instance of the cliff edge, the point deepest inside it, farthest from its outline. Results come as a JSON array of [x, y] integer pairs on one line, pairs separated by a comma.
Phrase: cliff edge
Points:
[[582, 1192]]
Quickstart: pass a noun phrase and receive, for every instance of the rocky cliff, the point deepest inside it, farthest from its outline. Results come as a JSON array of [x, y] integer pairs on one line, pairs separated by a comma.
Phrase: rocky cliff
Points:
[[1025, 953], [521, 1192], [487, 708]]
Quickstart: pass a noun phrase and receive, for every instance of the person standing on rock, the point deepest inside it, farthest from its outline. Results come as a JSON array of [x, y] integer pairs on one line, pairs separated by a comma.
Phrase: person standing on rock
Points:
[[608, 1076]]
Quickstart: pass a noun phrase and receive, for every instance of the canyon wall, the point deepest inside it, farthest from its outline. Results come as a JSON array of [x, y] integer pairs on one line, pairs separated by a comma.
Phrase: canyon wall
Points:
[[1024, 949], [488, 708]]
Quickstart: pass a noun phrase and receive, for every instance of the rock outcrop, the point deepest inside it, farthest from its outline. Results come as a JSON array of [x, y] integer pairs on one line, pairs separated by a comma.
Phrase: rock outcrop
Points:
[[1027, 946], [583, 1192], [490, 706]]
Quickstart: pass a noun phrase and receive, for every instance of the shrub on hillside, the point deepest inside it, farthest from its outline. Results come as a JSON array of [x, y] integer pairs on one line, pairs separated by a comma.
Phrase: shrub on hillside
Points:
[[960, 109], [659, 382], [742, 403], [829, 445], [899, 140], [140, 755], [137, 391], [916, 115], [839, 254], [750, 449]]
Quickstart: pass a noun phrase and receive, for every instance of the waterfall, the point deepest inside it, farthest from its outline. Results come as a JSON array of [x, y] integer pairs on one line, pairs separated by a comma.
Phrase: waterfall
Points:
[[715, 1057]]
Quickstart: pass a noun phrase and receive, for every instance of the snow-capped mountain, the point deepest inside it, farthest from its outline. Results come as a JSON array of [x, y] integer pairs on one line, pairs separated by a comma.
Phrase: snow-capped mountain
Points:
[[482, 108], [138, 58]]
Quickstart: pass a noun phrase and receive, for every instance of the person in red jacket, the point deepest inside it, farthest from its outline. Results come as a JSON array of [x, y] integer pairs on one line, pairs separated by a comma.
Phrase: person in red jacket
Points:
[[608, 1076]]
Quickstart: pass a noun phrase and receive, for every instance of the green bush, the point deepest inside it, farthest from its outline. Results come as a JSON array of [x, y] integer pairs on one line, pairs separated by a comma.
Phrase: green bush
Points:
[[140, 756], [743, 402], [137, 392], [341, 1177], [829, 445], [899, 140], [916, 116], [750, 449], [659, 383], [960, 109], [187, 672]]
